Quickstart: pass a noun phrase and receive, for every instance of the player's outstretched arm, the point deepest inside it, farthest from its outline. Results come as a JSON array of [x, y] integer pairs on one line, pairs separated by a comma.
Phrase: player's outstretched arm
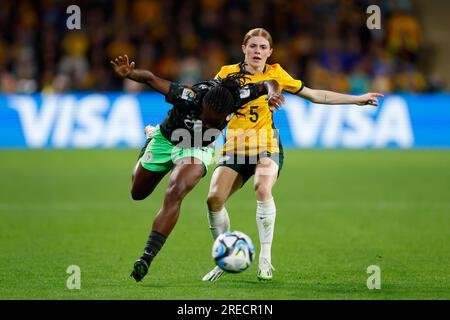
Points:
[[330, 97], [274, 97], [125, 69]]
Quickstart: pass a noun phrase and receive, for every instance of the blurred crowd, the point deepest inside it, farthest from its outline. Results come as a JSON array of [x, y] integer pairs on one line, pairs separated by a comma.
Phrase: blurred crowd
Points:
[[326, 43]]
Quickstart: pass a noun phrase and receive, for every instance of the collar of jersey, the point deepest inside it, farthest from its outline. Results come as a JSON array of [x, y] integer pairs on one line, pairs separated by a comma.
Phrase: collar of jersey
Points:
[[242, 69]]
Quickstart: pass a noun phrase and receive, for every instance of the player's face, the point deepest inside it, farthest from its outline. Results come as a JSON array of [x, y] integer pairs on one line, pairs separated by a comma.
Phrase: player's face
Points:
[[257, 51]]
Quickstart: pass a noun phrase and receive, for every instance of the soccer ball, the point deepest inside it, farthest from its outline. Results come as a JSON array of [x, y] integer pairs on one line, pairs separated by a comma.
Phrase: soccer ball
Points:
[[233, 251]]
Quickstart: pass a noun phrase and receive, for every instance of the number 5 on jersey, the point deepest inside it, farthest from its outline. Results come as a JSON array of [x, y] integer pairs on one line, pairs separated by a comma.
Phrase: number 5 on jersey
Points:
[[254, 115]]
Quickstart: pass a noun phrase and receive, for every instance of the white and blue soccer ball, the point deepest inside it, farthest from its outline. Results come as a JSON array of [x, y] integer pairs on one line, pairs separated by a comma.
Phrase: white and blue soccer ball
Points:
[[233, 251]]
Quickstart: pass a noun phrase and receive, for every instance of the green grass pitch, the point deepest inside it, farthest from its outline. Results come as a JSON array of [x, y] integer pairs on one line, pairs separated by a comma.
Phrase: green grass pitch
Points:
[[339, 211]]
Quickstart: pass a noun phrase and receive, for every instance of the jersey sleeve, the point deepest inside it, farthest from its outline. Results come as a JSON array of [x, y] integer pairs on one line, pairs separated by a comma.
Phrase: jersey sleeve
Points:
[[222, 73], [248, 93], [179, 93], [287, 83]]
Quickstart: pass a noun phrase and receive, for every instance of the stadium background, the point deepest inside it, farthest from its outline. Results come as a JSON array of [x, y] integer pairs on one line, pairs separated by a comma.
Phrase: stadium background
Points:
[[325, 43], [344, 209]]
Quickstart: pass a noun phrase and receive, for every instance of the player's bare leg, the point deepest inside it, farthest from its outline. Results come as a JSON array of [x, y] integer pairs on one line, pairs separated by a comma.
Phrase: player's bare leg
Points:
[[144, 181], [266, 174], [185, 176], [224, 183]]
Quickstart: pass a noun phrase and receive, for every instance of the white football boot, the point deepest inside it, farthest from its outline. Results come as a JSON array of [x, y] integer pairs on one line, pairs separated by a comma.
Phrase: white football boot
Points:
[[214, 274], [265, 269]]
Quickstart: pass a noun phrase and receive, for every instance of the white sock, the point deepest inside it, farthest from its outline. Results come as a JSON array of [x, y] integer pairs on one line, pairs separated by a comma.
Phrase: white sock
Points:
[[219, 222], [265, 220]]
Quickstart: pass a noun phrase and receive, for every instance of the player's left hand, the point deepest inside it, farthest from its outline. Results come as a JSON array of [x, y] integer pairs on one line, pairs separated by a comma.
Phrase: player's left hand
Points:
[[369, 99], [275, 101]]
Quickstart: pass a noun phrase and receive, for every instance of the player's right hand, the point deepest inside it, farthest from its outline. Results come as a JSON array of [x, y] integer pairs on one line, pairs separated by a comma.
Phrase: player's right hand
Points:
[[122, 66], [274, 97], [275, 101]]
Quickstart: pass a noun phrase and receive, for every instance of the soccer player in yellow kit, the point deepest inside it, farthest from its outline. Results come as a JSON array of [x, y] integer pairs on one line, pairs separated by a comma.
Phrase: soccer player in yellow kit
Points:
[[252, 146]]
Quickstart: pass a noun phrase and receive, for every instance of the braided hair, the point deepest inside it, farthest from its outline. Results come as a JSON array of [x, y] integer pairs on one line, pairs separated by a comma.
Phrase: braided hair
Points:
[[224, 97]]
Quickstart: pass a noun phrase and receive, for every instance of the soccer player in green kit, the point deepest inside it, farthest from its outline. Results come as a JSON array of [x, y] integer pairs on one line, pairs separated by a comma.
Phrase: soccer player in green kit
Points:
[[201, 110]]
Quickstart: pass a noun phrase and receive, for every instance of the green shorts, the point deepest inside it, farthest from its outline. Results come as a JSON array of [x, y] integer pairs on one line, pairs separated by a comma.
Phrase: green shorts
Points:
[[161, 154]]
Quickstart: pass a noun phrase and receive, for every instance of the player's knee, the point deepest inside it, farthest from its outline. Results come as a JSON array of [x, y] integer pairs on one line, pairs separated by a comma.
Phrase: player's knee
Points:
[[215, 201], [135, 195], [263, 191], [175, 192]]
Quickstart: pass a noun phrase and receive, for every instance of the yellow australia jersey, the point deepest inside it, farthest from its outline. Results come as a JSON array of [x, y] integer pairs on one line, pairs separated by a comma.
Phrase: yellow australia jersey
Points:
[[253, 132]]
